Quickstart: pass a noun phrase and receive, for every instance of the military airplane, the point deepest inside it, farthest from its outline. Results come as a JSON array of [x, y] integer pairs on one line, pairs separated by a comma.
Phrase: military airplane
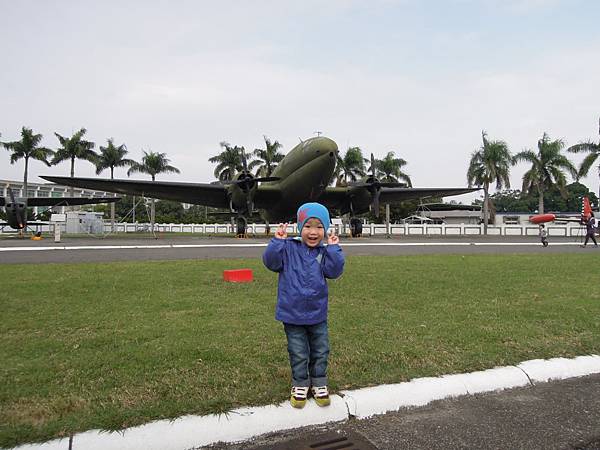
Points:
[[16, 207], [586, 213], [302, 175]]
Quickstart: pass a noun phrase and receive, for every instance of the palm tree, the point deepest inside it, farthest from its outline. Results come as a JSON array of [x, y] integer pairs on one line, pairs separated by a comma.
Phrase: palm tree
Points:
[[389, 169], [593, 150], [491, 163], [74, 148], [110, 157], [229, 162], [28, 147], [267, 158], [152, 163], [547, 168], [350, 167]]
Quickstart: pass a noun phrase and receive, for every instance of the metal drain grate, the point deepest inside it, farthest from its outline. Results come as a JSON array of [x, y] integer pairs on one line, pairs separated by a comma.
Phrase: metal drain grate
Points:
[[328, 441], [333, 444]]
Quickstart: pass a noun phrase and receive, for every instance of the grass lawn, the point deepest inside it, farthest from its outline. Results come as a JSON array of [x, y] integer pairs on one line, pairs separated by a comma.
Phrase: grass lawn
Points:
[[114, 345]]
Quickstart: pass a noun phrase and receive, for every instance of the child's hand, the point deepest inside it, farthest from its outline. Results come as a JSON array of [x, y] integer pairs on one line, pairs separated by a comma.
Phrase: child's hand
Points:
[[281, 232], [332, 238]]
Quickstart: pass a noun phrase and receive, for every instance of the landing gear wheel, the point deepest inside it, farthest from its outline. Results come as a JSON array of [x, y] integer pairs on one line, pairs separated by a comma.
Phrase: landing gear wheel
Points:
[[355, 227], [241, 226]]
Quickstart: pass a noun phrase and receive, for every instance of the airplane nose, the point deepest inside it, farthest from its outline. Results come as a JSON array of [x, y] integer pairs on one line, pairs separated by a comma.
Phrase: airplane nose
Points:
[[324, 145]]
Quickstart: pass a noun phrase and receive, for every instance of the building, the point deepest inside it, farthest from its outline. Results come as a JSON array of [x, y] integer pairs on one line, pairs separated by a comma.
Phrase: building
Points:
[[450, 213]]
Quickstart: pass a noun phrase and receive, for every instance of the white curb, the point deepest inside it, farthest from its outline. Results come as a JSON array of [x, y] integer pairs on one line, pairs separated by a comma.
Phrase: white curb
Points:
[[363, 403], [245, 423], [496, 379], [541, 371], [370, 401], [193, 431]]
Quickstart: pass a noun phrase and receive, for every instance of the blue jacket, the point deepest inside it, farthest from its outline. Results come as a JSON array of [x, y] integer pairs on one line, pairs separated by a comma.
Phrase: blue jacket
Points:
[[302, 293]]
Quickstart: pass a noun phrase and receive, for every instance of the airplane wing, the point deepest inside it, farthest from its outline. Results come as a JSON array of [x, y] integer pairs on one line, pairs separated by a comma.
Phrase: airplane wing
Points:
[[335, 197], [396, 195], [214, 195], [66, 201], [338, 197]]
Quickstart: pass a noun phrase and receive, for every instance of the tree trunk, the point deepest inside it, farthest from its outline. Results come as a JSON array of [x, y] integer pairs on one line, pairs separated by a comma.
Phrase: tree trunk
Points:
[[152, 212], [25, 177], [112, 217], [541, 202], [112, 207], [486, 212], [152, 215], [72, 189]]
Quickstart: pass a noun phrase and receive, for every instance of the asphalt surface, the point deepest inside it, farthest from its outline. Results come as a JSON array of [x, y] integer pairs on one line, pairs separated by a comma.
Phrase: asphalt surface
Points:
[[73, 250], [557, 415]]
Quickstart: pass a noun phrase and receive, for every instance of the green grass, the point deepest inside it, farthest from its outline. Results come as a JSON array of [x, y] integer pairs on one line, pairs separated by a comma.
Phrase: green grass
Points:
[[114, 345]]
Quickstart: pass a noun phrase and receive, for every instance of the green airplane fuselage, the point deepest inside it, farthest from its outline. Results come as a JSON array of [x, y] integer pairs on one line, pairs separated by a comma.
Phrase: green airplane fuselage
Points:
[[305, 172]]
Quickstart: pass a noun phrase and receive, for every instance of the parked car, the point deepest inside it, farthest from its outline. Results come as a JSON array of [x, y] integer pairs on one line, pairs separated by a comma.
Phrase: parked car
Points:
[[412, 220]]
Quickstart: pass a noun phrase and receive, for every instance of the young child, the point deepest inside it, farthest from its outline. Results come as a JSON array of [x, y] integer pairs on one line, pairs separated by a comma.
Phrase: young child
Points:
[[303, 265]]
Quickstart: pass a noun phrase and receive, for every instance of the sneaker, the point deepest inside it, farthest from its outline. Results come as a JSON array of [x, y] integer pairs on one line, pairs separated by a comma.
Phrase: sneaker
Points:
[[298, 396], [321, 395]]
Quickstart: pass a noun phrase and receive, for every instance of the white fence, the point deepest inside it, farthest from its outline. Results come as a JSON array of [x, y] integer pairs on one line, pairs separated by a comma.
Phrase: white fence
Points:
[[567, 230]]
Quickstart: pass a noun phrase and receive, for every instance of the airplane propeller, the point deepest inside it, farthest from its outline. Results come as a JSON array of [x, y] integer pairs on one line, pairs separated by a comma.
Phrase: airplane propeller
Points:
[[373, 185], [245, 181]]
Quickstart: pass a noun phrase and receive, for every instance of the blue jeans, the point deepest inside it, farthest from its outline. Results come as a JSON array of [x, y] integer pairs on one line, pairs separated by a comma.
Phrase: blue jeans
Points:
[[308, 347]]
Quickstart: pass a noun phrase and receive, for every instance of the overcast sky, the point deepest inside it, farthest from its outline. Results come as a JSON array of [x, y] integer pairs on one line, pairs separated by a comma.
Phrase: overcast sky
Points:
[[420, 78]]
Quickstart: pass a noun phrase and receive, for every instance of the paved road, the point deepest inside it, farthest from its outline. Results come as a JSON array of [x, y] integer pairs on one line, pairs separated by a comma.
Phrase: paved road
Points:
[[558, 415], [145, 249]]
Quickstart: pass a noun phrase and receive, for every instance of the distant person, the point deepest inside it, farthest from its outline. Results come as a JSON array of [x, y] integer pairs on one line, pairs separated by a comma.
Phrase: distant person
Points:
[[543, 235], [303, 264], [590, 231]]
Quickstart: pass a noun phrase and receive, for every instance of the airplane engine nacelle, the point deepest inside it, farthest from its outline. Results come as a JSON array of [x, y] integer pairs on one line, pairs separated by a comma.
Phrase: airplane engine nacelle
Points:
[[362, 196], [360, 199], [241, 193], [16, 215]]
